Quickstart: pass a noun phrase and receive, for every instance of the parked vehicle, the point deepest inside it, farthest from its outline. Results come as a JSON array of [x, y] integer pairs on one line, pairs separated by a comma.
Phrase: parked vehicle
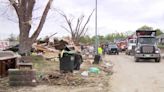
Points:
[[131, 47], [112, 49], [146, 47]]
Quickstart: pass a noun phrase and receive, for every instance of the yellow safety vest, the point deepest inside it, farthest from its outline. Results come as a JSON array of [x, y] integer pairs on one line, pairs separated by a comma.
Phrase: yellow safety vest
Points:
[[100, 51]]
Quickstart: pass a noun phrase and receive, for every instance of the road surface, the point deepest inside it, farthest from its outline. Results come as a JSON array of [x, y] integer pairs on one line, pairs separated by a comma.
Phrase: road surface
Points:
[[129, 76]]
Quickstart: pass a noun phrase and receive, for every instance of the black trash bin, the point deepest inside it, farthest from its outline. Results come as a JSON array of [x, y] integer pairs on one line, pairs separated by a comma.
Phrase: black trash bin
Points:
[[67, 62], [78, 61]]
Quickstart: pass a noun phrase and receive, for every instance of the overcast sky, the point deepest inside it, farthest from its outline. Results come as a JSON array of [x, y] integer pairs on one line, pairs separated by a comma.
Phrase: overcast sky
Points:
[[113, 16]]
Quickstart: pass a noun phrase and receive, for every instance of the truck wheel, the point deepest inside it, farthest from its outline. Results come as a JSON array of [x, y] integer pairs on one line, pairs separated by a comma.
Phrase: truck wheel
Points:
[[157, 60]]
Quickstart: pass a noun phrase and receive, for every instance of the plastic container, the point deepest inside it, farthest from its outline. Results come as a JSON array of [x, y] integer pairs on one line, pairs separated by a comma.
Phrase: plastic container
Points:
[[78, 61], [67, 62], [94, 70]]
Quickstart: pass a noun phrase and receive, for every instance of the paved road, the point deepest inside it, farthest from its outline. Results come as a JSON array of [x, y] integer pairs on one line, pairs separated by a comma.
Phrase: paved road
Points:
[[129, 76]]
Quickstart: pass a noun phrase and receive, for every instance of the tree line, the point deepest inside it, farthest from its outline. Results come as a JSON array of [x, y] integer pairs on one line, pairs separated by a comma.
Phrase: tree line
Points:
[[114, 36], [102, 39]]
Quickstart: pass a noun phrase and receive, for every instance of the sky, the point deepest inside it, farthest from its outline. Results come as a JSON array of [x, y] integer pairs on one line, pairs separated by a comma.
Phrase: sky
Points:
[[113, 16]]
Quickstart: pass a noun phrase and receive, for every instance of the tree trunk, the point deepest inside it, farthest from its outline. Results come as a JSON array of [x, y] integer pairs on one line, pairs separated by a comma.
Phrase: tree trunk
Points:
[[25, 47], [24, 9], [25, 41]]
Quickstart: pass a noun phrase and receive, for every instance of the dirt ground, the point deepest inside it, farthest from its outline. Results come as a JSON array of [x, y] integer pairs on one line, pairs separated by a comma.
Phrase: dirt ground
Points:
[[92, 83], [129, 76]]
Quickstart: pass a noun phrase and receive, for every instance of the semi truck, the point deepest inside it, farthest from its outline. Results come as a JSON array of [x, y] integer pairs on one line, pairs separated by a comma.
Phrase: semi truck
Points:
[[146, 46]]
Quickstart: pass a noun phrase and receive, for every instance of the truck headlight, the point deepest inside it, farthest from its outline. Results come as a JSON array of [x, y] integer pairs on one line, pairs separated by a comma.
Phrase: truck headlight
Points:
[[157, 51], [137, 51]]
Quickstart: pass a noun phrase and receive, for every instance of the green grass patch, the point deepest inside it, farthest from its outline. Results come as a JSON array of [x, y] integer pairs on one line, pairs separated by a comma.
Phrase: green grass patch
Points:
[[42, 65], [38, 62]]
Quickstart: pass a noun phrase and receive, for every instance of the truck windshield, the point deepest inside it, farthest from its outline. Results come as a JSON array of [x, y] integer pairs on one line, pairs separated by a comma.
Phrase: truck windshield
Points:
[[146, 40]]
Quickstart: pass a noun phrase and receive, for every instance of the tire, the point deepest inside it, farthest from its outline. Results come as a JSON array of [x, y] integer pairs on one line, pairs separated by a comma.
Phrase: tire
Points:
[[157, 60]]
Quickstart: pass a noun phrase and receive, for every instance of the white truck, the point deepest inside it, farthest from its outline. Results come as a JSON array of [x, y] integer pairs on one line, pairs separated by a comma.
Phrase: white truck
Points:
[[131, 47]]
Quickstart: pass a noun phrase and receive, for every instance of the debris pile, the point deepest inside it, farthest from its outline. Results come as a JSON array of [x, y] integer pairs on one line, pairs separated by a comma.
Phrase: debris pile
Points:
[[90, 76], [64, 79]]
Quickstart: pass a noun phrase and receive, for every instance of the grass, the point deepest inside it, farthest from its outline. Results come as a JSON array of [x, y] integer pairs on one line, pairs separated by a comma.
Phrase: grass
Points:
[[43, 66]]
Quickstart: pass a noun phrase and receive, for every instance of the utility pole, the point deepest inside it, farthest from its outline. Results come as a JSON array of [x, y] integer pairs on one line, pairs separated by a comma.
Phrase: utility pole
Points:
[[96, 36]]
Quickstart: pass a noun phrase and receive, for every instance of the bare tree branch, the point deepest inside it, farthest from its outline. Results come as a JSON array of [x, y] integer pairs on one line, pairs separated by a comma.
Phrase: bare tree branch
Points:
[[79, 30], [85, 31], [15, 5], [65, 29], [78, 21], [87, 21], [42, 21], [79, 25], [68, 21], [81, 20]]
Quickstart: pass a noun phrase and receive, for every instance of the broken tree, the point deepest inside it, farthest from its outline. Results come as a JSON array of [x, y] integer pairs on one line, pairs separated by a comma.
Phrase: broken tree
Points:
[[24, 10], [80, 28]]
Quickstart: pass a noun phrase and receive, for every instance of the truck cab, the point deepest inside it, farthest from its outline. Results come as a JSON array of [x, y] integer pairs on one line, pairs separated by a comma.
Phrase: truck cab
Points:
[[131, 47], [146, 46]]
